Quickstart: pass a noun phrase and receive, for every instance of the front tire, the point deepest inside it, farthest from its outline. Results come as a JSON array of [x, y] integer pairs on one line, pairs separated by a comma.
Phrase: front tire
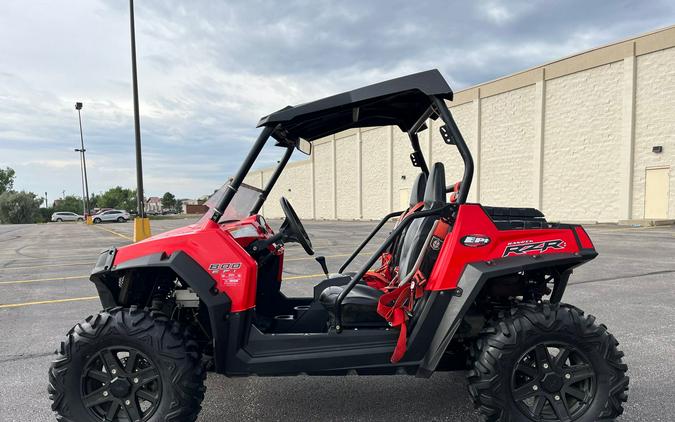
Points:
[[127, 365], [548, 362], [121, 220], [97, 220]]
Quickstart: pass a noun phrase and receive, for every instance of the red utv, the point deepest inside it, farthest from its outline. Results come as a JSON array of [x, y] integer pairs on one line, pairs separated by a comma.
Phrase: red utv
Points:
[[462, 287]]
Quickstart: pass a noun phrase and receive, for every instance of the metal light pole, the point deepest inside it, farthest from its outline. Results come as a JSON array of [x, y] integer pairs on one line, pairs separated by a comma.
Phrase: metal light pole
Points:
[[141, 223], [78, 107], [46, 201], [84, 201]]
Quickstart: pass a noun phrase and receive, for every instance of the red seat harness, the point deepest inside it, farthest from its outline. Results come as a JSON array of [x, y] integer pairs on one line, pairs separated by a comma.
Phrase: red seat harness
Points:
[[382, 277], [396, 306]]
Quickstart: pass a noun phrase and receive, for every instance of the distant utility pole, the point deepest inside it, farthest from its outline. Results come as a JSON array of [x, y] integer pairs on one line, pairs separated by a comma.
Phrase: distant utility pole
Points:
[[85, 182], [84, 201], [141, 222], [46, 201]]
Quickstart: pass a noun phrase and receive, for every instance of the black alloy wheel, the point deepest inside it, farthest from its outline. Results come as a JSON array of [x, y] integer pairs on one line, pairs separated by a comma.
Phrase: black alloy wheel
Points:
[[553, 381], [121, 382]]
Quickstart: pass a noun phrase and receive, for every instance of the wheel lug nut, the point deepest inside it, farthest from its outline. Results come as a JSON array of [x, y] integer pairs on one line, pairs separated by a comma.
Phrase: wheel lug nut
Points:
[[128, 402], [546, 366], [105, 394], [557, 397], [135, 380], [568, 376], [114, 371], [535, 388]]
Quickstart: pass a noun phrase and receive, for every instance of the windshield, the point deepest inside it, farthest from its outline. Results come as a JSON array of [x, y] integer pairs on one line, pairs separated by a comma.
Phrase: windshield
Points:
[[241, 205]]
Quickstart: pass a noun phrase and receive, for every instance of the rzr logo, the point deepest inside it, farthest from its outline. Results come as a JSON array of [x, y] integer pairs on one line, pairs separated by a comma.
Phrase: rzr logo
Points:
[[521, 248], [475, 240]]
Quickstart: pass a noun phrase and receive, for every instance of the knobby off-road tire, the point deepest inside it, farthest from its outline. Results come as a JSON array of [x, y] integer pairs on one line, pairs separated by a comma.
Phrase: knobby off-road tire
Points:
[[166, 366], [547, 362]]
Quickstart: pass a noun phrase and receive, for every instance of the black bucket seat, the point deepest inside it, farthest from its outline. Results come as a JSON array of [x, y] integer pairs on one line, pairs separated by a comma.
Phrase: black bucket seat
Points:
[[359, 308]]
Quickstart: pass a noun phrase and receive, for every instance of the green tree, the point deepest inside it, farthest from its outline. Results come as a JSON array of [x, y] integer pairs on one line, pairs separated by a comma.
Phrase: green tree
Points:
[[117, 197], [169, 201], [93, 201], [7, 179], [44, 215], [19, 207], [70, 203]]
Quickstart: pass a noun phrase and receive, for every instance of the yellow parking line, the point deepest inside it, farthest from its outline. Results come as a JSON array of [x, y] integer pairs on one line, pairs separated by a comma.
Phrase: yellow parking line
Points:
[[298, 277], [35, 280], [76, 299], [47, 258], [326, 256], [123, 236], [45, 302], [30, 267]]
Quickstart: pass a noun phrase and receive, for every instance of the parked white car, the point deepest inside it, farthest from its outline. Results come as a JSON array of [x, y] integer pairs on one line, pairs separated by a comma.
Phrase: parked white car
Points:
[[66, 216], [112, 215]]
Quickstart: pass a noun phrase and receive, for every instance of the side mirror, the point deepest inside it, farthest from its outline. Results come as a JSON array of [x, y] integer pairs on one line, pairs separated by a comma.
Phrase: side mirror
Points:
[[304, 146]]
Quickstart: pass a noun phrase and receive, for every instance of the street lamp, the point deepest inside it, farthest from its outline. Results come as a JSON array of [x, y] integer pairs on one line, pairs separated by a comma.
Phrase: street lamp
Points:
[[84, 192], [141, 222], [85, 182]]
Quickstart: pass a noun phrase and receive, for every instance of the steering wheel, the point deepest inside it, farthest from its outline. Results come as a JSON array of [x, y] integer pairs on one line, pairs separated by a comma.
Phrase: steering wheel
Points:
[[292, 228]]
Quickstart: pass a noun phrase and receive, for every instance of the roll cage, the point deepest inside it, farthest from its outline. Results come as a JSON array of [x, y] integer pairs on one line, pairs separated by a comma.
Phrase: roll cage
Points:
[[407, 102]]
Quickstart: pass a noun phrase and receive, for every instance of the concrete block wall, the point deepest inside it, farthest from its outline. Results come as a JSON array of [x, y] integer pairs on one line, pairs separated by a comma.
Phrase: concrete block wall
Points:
[[572, 137], [582, 145], [654, 122], [375, 173], [507, 139]]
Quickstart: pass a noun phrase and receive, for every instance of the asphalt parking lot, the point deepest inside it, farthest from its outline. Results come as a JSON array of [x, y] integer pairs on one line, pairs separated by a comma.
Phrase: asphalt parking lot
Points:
[[44, 290]]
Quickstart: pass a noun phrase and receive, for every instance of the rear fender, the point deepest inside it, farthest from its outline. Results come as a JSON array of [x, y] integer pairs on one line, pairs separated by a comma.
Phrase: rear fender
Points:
[[187, 269], [473, 280]]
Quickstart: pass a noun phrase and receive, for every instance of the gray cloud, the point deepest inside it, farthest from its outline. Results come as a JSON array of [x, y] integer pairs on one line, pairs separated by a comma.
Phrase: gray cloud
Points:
[[208, 70]]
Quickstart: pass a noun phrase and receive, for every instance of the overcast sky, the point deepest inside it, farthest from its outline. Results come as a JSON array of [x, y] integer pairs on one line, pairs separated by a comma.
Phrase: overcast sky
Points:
[[208, 70]]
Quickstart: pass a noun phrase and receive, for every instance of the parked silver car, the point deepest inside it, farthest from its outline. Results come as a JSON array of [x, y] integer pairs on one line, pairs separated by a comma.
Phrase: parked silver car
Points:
[[66, 216], [112, 215]]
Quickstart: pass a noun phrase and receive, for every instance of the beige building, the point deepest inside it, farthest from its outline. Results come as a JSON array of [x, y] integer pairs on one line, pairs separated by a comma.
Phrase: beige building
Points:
[[590, 137]]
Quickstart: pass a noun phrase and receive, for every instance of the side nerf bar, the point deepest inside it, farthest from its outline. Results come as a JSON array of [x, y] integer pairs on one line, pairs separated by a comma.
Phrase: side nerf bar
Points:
[[470, 285]]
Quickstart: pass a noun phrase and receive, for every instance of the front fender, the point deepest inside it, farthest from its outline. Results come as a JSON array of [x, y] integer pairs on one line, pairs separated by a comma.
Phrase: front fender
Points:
[[188, 270]]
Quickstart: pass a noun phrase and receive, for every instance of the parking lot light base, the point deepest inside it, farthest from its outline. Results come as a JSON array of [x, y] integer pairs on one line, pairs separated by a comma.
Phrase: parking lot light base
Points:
[[89, 220], [141, 228]]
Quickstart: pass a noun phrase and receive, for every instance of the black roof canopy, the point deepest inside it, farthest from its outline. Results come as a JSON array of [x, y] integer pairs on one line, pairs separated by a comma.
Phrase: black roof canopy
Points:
[[400, 102]]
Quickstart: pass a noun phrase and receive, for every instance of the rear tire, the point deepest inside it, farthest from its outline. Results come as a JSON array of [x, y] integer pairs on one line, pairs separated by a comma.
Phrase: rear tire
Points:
[[548, 362], [79, 220], [127, 364]]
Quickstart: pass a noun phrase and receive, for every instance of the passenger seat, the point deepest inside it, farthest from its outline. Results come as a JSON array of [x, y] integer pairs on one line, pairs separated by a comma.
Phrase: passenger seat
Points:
[[359, 308]]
